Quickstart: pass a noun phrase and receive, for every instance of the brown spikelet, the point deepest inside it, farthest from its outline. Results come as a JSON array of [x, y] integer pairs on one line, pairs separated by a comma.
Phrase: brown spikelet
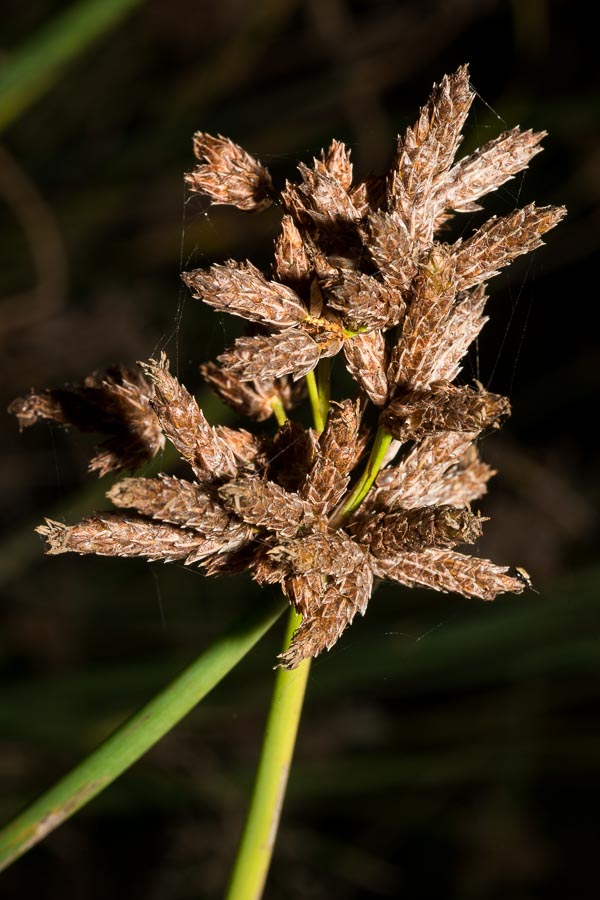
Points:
[[366, 359], [186, 427], [500, 240], [325, 485], [242, 290], [249, 450], [338, 440], [114, 402], [336, 456], [426, 152], [337, 163], [264, 356], [292, 265], [388, 535], [112, 534], [432, 473], [138, 435], [33, 407], [235, 562], [449, 572], [331, 553], [436, 355], [465, 482], [414, 355], [294, 352], [443, 407], [364, 302], [488, 168], [266, 504], [327, 612], [454, 336], [265, 569], [392, 249], [303, 591], [171, 499], [228, 174], [178, 502], [321, 204]]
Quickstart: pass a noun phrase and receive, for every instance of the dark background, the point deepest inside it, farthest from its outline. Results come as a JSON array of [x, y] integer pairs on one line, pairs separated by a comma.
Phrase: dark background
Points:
[[448, 748]]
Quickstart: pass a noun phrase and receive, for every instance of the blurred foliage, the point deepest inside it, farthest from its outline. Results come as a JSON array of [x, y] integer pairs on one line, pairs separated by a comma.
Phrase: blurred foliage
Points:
[[448, 747]]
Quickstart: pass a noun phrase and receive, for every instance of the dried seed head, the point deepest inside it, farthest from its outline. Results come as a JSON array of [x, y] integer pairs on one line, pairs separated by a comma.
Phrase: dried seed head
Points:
[[240, 289], [292, 265], [465, 482], [338, 442], [33, 407], [116, 402], [326, 610], [111, 534], [414, 355], [392, 249], [249, 450], [228, 174], [294, 352], [363, 301], [320, 200], [440, 469], [390, 534], [184, 424], [266, 504], [454, 336], [337, 453], [425, 153], [500, 240], [352, 262], [337, 163], [178, 502], [488, 168], [449, 572], [367, 362], [331, 553], [443, 407]]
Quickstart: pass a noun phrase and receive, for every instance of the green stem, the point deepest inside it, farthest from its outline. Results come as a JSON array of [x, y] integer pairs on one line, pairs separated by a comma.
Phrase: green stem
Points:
[[258, 839], [137, 735], [256, 847], [324, 389], [279, 411], [315, 401], [361, 488]]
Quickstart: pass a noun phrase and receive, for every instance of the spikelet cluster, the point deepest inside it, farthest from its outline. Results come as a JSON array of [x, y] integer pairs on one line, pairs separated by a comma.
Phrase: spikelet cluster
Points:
[[359, 271]]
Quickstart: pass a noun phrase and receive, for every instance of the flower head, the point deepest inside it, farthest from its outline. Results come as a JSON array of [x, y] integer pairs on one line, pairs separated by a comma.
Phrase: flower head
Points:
[[358, 270]]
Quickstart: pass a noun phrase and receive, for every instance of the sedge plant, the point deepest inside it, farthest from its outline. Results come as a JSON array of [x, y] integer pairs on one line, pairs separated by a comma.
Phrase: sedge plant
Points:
[[384, 483]]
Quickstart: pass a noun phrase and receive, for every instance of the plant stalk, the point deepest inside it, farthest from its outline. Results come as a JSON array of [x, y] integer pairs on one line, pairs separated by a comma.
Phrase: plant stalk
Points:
[[315, 402], [255, 850], [363, 485], [324, 390], [256, 846]]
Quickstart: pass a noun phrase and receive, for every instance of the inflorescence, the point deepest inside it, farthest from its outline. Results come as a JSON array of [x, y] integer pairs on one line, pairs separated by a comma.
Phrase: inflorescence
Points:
[[358, 271]]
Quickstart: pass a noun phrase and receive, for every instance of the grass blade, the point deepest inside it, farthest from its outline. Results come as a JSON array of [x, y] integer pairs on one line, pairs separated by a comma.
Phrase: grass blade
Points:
[[137, 734], [35, 67]]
